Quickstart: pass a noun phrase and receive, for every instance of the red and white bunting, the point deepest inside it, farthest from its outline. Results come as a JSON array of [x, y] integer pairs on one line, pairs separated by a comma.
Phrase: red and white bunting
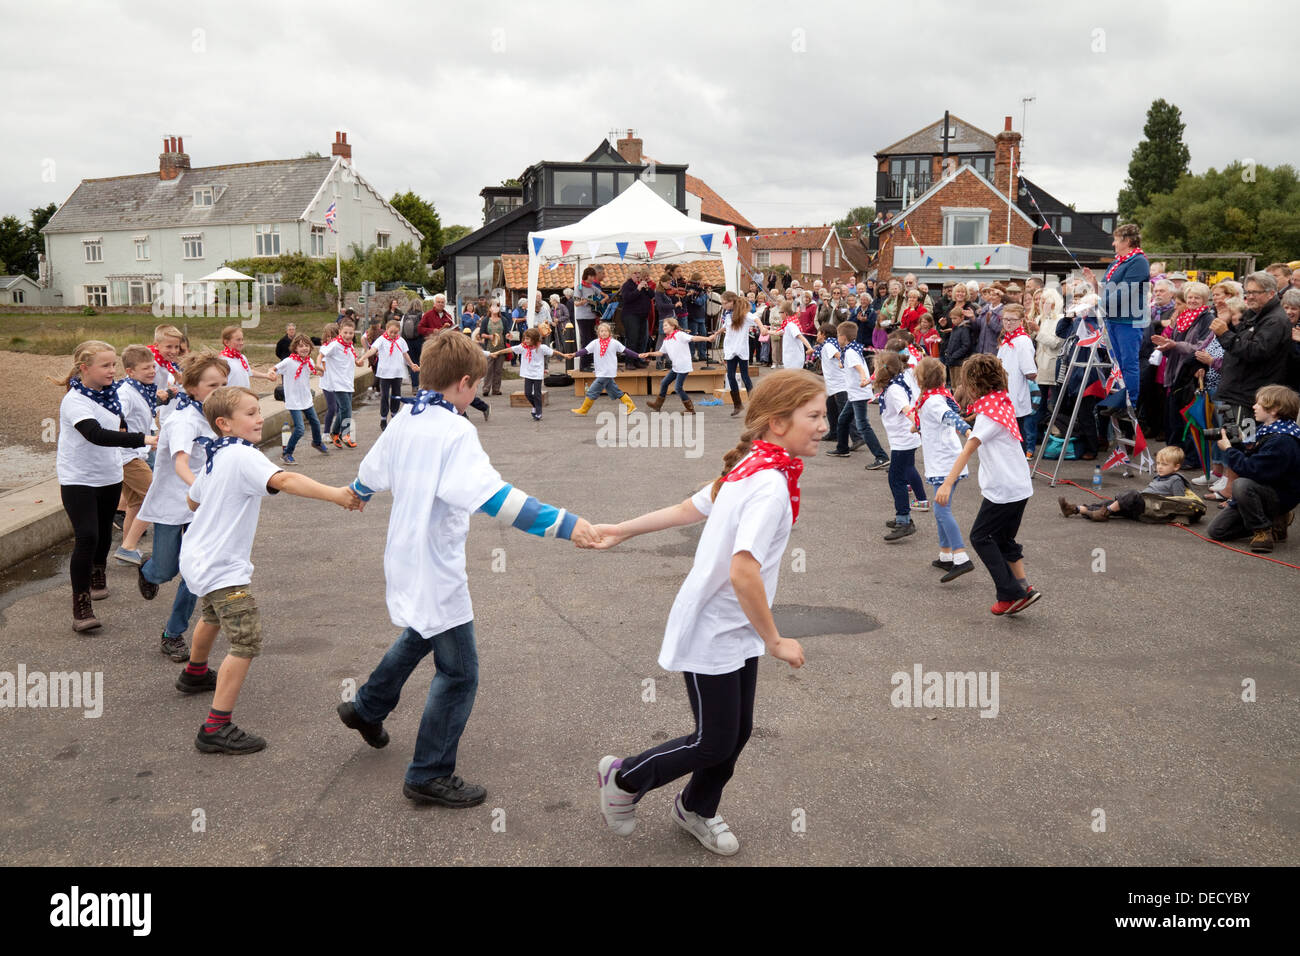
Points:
[[650, 246]]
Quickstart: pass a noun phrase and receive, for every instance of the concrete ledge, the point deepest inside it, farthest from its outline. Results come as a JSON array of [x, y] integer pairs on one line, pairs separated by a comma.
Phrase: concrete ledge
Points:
[[32, 518]]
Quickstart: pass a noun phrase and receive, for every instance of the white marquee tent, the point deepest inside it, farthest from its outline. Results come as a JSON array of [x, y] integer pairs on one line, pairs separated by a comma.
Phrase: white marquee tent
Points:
[[638, 227]]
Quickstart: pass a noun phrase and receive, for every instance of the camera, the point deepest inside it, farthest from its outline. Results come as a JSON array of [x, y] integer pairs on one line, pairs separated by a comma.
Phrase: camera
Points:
[[1229, 429]]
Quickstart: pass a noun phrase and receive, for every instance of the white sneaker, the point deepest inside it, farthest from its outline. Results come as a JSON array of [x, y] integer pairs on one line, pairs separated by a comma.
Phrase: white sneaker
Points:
[[1221, 485], [1200, 480], [616, 805], [713, 833]]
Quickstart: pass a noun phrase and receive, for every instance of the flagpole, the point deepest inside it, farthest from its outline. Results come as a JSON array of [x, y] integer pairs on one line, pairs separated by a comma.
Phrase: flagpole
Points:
[[338, 269]]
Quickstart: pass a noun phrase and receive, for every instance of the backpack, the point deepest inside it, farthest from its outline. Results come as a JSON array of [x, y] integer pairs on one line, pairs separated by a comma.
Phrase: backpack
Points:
[[713, 308], [410, 325]]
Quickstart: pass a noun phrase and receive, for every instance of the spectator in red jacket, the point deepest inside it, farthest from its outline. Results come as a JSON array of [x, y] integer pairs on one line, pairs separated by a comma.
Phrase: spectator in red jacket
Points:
[[437, 318], [807, 317], [912, 311]]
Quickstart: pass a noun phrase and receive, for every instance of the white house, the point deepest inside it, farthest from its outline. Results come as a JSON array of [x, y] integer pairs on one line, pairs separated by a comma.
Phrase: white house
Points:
[[115, 239], [23, 290]]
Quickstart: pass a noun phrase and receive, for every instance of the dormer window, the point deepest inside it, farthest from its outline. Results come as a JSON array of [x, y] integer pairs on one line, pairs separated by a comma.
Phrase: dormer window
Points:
[[204, 197]]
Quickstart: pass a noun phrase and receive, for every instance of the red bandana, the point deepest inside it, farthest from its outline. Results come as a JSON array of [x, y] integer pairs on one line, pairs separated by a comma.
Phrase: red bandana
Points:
[[927, 393], [392, 342], [1120, 261], [528, 353], [302, 364], [1010, 337], [766, 455], [604, 346], [158, 357], [916, 353], [1186, 319], [671, 335], [347, 345], [997, 406], [228, 352]]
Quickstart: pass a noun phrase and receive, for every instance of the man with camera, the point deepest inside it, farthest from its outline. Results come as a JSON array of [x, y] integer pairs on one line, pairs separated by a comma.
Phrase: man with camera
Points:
[[1264, 481], [1254, 350]]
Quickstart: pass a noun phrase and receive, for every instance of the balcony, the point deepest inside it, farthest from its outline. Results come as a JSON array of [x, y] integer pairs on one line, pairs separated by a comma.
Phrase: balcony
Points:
[[1006, 259], [892, 186]]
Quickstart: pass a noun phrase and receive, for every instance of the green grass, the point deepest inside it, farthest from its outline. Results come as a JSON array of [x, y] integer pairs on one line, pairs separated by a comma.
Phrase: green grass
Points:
[[60, 334]]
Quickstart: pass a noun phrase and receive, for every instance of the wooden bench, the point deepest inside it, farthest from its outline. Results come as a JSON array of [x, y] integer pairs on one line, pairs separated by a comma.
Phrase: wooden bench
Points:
[[645, 381]]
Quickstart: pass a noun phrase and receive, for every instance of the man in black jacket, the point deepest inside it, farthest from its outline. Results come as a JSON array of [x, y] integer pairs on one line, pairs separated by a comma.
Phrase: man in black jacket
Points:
[[1255, 351]]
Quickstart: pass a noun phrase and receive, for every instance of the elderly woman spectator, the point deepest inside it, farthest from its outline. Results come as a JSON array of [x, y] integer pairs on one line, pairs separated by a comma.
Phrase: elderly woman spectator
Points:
[[1291, 306], [988, 322], [1151, 406], [914, 307], [1178, 343], [889, 314], [559, 319], [1047, 347], [1254, 351]]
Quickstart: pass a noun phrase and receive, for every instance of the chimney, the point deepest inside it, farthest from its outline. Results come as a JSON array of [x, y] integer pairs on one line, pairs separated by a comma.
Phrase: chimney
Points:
[[340, 146], [1007, 147], [173, 160], [630, 148]]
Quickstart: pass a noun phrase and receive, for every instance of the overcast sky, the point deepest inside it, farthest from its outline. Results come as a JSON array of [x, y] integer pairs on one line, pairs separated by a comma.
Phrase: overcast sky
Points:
[[778, 106]]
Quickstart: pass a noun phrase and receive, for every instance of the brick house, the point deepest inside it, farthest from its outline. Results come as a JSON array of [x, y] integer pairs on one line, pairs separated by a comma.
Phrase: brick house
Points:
[[962, 226], [809, 252]]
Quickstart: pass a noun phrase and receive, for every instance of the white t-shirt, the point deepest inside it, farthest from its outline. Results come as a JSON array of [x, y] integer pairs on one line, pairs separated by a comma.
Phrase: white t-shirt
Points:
[[707, 632], [439, 475], [852, 380], [792, 350], [1019, 360], [897, 425], [297, 391], [217, 548], [165, 502], [77, 461], [940, 443], [1004, 473], [832, 374], [678, 350], [606, 365], [534, 368], [735, 342], [392, 363], [340, 367], [135, 409], [172, 383], [238, 376]]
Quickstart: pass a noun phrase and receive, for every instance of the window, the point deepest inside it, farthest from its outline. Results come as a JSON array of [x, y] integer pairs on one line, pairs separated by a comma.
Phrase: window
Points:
[[805, 261], [625, 180], [381, 239], [912, 172], [762, 259], [965, 227], [203, 197], [318, 242], [1108, 224], [128, 291], [570, 188], [604, 188], [18, 297], [192, 246], [1066, 224], [268, 283], [94, 249], [141, 248], [96, 296], [982, 164], [666, 188], [268, 240], [356, 189]]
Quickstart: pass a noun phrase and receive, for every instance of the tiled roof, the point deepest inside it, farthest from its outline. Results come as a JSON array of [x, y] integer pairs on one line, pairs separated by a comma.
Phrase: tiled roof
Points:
[[270, 191], [7, 281], [516, 271], [714, 206], [786, 237], [969, 139]]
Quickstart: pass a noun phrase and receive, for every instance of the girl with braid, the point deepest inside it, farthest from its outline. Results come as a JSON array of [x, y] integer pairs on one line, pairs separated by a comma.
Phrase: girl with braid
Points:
[[721, 622]]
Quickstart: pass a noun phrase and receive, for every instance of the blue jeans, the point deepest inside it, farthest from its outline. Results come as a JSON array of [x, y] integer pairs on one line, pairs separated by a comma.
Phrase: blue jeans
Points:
[[163, 565], [451, 695], [949, 532], [1126, 343], [700, 349], [734, 364], [1028, 431], [604, 385], [343, 419], [680, 378], [298, 415], [902, 473], [855, 413]]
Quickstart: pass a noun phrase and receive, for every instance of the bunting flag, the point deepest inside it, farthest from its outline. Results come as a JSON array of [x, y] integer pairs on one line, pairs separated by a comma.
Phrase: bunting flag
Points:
[[1046, 223], [565, 246], [330, 214], [1090, 340], [681, 243], [593, 247], [1118, 456], [622, 250], [650, 246], [1139, 440], [1097, 389], [537, 244], [707, 239], [726, 238], [552, 265]]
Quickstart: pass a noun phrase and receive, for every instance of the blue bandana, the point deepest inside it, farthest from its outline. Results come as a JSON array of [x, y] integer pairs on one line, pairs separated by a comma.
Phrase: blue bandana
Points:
[[1283, 426], [426, 397], [214, 445], [185, 401], [148, 392], [901, 380], [105, 397]]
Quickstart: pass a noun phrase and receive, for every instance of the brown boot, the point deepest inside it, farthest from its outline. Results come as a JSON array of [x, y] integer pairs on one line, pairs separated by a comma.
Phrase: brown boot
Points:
[[1067, 509], [1098, 514], [1261, 542], [83, 613], [656, 403], [98, 583], [1280, 524], [690, 406], [735, 401]]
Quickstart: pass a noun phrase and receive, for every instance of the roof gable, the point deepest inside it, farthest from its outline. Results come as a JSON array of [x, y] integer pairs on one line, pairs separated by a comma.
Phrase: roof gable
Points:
[[605, 154], [966, 138]]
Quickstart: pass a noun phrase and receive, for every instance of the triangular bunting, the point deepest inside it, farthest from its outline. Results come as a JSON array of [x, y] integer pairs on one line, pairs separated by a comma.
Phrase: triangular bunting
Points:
[[726, 238], [565, 246], [680, 242], [707, 239], [537, 244], [650, 246], [622, 249], [593, 247]]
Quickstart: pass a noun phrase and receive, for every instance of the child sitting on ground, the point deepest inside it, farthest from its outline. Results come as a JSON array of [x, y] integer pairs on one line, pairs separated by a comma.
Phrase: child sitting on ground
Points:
[[1130, 504]]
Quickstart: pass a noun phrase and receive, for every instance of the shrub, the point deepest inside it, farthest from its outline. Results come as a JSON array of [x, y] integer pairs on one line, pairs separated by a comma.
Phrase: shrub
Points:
[[87, 310]]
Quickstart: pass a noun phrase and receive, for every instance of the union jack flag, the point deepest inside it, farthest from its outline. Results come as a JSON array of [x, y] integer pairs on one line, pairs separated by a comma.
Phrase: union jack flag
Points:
[[330, 215], [1118, 456]]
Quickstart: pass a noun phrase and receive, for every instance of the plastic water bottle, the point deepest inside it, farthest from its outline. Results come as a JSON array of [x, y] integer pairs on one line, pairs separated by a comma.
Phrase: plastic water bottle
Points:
[[1096, 478], [286, 432]]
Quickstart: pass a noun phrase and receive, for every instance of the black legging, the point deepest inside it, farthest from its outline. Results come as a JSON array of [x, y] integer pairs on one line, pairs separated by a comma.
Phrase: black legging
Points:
[[736, 362], [533, 392], [390, 397], [91, 512]]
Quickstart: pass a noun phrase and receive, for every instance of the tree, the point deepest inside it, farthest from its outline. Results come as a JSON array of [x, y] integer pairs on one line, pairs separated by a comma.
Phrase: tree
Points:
[[1241, 209], [1158, 161], [857, 216], [424, 217], [455, 234], [41, 218], [15, 246]]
